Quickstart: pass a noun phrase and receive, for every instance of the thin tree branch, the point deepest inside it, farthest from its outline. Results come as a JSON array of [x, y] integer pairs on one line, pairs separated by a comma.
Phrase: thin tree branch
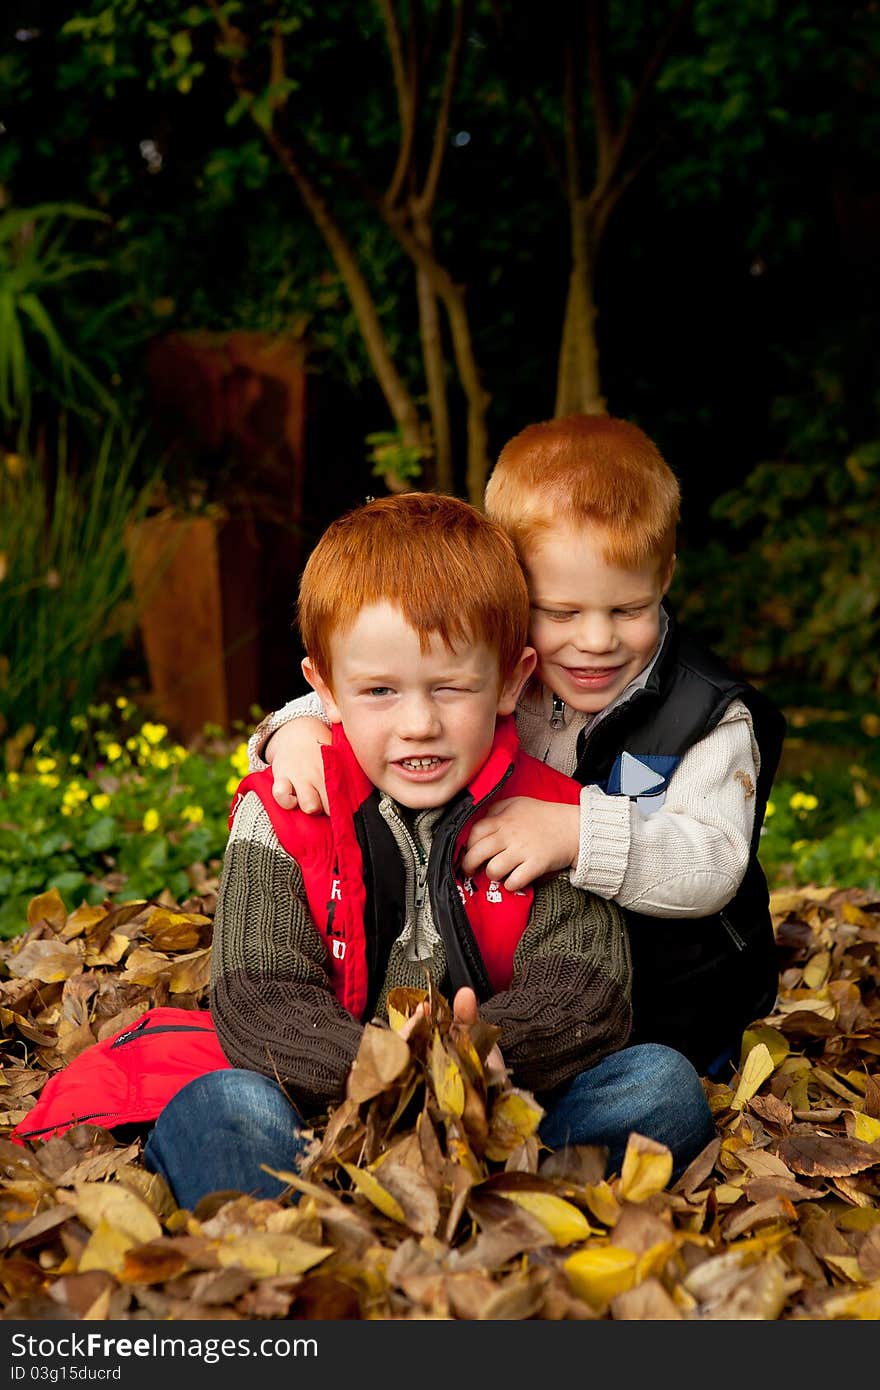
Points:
[[405, 93], [425, 199]]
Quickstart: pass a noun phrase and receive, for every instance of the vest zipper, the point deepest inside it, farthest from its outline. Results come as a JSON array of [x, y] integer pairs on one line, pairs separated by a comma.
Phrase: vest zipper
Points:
[[80, 1120], [738, 941]]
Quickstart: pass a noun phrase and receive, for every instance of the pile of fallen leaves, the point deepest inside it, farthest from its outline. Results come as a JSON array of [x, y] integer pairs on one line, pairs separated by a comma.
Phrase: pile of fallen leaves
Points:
[[426, 1194]]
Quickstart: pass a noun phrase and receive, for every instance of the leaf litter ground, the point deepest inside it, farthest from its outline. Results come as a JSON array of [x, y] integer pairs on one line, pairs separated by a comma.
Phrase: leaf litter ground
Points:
[[425, 1194]]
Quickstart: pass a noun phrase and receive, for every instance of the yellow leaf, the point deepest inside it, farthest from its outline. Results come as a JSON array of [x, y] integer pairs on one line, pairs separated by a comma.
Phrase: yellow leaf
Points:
[[599, 1273], [775, 1042], [105, 1249], [374, 1192], [817, 969], [647, 1168], [448, 1084], [864, 1305], [402, 1003], [515, 1117], [865, 1127], [98, 1202], [758, 1066], [268, 1253], [565, 1222], [47, 907], [602, 1203]]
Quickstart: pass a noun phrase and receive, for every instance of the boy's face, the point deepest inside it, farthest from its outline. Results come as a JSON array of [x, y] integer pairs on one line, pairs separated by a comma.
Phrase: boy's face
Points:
[[420, 723], [594, 626]]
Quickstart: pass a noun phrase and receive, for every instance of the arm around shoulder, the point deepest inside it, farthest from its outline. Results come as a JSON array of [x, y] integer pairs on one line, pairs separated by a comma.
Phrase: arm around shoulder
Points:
[[305, 706]]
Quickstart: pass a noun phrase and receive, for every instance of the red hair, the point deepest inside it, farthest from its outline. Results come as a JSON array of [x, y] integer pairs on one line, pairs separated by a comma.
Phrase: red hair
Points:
[[449, 569], [587, 470]]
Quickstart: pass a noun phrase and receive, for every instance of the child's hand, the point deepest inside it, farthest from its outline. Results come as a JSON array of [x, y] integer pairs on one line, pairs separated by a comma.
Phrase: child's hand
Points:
[[294, 750], [520, 839]]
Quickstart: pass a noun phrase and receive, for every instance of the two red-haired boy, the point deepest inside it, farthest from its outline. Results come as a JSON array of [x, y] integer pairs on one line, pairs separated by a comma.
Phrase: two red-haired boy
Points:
[[675, 753], [413, 612]]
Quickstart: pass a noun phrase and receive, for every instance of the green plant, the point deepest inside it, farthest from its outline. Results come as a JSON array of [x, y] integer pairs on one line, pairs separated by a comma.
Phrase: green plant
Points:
[[130, 815], [792, 587], [63, 581], [34, 261]]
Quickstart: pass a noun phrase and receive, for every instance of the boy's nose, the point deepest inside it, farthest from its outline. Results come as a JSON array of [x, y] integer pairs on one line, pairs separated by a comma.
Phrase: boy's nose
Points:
[[595, 634], [418, 719]]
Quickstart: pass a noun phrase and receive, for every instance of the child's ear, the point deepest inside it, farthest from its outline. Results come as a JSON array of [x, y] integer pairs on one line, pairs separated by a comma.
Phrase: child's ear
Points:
[[667, 577], [318, 684], [510, 690]]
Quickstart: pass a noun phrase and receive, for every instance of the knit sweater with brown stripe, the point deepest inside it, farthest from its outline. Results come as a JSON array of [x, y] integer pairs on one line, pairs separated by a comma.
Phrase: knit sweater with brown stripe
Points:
[[567, 1006]]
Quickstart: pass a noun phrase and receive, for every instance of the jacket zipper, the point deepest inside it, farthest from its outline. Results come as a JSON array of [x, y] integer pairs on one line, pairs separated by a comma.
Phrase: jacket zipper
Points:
[[738, 941], [140, 1030], [420, 864], [80, 1120]]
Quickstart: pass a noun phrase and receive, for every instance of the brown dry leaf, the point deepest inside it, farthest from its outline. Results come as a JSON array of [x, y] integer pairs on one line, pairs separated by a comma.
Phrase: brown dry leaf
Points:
[[152, 1263], [648, 1302], [174, 931], [48, 960], [827, 1155], [119, 1207], [49, 908], [191, 974], [413, 1193], [382, 1058], [743, 1202]]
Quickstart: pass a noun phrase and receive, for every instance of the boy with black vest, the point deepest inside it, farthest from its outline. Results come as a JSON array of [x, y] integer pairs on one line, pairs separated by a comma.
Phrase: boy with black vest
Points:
[[675, 753], [414, 613]]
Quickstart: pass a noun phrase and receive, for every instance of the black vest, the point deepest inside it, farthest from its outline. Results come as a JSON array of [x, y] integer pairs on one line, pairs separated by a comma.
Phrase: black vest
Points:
[[697, 982]]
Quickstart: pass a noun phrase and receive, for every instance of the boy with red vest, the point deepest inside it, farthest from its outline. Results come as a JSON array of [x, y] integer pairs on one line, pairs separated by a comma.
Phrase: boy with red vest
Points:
[[675, 753], [414, 613]]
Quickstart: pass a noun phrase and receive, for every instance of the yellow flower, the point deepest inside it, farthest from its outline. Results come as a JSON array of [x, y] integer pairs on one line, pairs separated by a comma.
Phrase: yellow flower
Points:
[[179, 753], [13, 779], [150, 820], [803, 801], [193, 814], [239, 760], [232, 785], [770, 811], [121, 702], [100, 801], [154, 733], [75, 760], [48, 779], [114, 751], [46, 764], [161, 759]]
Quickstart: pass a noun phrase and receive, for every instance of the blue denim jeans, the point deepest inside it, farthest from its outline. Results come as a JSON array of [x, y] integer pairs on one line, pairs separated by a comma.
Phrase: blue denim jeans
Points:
[[215, 1134]]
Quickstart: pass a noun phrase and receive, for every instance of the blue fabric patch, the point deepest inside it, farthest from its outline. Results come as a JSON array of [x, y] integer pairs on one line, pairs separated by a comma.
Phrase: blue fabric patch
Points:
[[626, 768]]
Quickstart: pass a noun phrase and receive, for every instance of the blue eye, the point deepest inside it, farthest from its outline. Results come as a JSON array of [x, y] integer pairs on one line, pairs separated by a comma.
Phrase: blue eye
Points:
[[380, 690]]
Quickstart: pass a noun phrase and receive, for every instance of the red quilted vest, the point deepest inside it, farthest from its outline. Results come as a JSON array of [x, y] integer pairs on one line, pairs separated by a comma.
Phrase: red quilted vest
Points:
[[329, 854]]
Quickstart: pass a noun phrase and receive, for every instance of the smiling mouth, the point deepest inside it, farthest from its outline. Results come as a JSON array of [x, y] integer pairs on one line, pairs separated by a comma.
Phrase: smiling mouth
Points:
[[421, 764]]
